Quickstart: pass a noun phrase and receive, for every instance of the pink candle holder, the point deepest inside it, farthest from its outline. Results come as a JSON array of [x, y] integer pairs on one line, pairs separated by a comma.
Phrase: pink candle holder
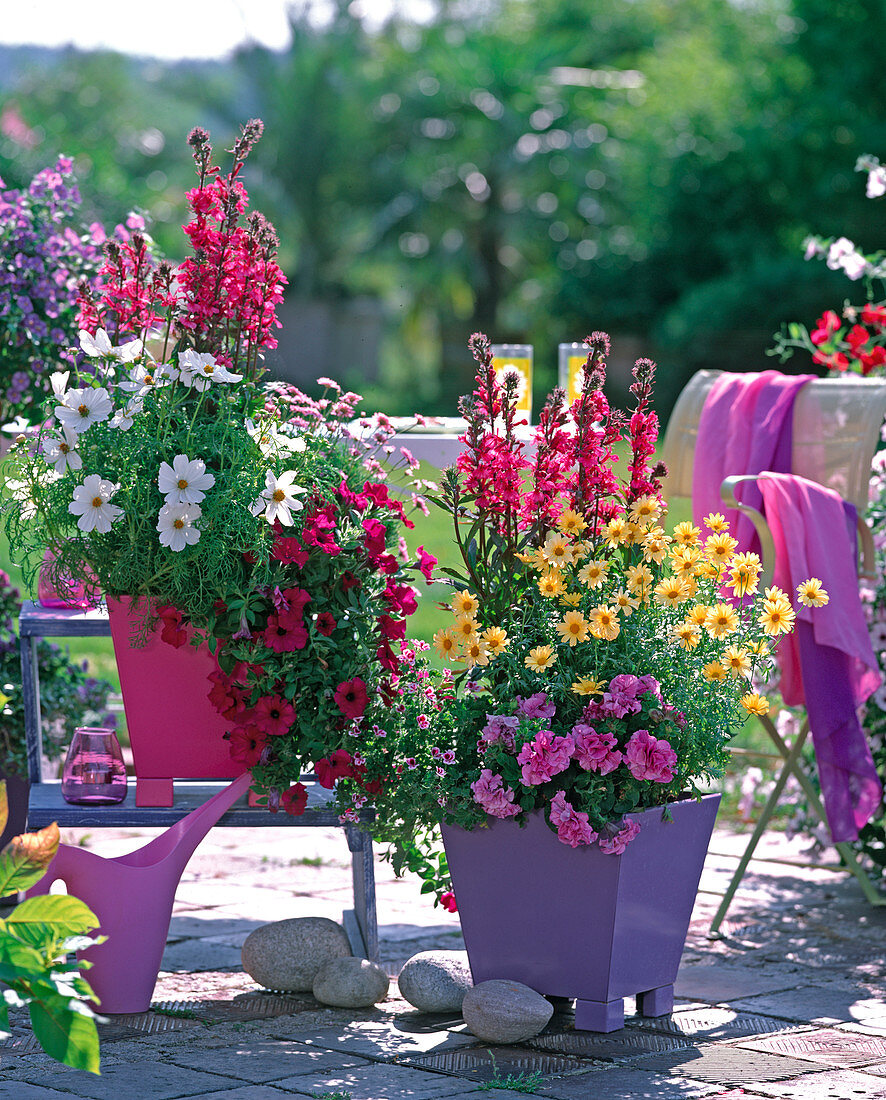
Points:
[[49, 596], [94, 772]]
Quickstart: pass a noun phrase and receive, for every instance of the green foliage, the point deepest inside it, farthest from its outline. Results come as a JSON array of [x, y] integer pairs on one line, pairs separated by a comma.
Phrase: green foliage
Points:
[[36, 939], [517, 1082]]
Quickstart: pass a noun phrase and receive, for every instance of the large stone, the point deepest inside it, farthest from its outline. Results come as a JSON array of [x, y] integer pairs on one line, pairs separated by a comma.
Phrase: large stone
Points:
[[505, 1012], [436, 981], [350, 983], [287, 954]]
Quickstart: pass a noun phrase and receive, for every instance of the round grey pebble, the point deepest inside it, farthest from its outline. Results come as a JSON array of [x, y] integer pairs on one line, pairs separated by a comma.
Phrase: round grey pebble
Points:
[[436, 981], [287, 954], [505, 1012], [350, 983]]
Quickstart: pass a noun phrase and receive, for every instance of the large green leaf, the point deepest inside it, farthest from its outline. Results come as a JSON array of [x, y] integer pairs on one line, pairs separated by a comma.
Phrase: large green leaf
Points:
[[56, 916], [65, 1033], [25, 859]]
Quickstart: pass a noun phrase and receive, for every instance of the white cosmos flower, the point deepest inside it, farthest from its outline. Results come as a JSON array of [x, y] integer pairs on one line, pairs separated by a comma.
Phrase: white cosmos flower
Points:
[[60, 451], [277, 500], [185, 481], [143, 379], [123, 418], [270, 441], [200, 369], [82, 407], [59, 383], [100, 347], [92, 504], [176, 525]]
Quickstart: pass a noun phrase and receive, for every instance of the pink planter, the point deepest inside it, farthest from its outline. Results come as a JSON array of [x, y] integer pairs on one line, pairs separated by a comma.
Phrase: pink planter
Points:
[[174, 731], [573, 922]]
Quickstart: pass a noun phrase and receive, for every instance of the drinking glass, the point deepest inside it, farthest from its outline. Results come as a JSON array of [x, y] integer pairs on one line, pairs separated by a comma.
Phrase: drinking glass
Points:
[[94, 771]]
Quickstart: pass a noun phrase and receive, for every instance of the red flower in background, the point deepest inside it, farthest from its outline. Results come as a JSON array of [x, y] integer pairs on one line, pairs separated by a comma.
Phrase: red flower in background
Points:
[[325, 623], [173, 633], [447, 900], [295, 799], [246, 744], [337, 766], [426, 564], [274, 715]]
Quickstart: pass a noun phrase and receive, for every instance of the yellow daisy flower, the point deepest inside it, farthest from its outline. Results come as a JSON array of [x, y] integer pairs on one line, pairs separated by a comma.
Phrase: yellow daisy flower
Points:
[[721, 620], [761, 648], [551, 585], [540, 658], [476, 653], [604, 623], [737, 661], [633, 533], [698, 614], [587, 685], [686, 534], [744, 574], [464, 603], [496, 640], [614, 531], [716, 522], [527, 559], [593, 572], [446, 643], [466, 628], [571, 522], [579, 551], [638, 579], [656, 549], [811, 593], [670, 591], [713, 672], [685, 560], [776, 593], [777, 617], [688, 635], [557, 550], [719, 549], [573, 628], [624, 602], [645, 508], [755, 703], [570, 599]]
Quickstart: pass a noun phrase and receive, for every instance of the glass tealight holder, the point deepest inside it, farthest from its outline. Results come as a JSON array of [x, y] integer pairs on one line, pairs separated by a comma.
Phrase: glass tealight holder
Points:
[[570, 377], [94, 772], [516, 357], [48, 595]]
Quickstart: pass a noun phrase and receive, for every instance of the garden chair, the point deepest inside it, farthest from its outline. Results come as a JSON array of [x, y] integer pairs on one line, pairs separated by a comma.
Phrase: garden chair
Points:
[[836, 428]]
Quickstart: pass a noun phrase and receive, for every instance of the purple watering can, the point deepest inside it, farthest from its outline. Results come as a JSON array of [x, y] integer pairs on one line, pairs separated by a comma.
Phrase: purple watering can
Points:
[[132, 896]]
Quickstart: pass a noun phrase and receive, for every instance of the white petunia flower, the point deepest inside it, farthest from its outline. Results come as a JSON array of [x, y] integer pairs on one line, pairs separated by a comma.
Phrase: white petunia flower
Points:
[[176, 525], [92, 504], [277, 500], [100, 347], [876, 185], [82, 407], [200, 369], [185, 481], [60, 451]]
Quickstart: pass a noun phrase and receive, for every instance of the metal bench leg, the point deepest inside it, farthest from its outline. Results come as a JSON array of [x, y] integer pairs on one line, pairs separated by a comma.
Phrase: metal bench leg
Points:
[[31, 705], [364, 914], [767, 812]]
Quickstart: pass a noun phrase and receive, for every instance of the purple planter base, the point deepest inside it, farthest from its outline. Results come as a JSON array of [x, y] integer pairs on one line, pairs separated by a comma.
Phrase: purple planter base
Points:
[[573, 922]]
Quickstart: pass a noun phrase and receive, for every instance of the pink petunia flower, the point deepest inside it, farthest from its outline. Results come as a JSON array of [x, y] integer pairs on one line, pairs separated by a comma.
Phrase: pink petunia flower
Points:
[[595, 752], [544, 757], [495, 798], [649, 757], [615, 845], [572, 825]]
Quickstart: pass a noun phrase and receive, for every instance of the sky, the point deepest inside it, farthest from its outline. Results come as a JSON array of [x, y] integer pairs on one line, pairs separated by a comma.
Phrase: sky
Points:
[[169, 29]]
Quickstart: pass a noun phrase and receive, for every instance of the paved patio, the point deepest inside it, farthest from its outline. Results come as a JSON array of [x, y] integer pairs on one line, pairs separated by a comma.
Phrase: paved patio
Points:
[[790, 1004]]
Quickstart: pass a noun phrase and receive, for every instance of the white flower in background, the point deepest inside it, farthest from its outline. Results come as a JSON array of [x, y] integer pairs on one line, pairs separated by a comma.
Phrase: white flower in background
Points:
[[20, 491], [83, 407], [143, 379], [60, 451], [185, 481], [100, 347], [876, 185], [270, 441], [278, 498], [511, 368], [200, 369], [59, 382], [176, 525], [842, 255], [123, 418], [92, 504]]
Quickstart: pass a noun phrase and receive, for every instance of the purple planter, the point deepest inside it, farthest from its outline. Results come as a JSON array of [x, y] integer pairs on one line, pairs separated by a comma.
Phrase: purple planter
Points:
[[573, 922]]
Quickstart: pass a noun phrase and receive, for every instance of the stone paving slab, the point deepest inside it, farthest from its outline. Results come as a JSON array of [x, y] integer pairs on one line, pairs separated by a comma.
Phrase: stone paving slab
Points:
[[380, 1082], [829, 1085], [720, 982], [146, 1080], [822, 1003], [264, 1060], [383, 1041], [826, 1045], [623, 1084]]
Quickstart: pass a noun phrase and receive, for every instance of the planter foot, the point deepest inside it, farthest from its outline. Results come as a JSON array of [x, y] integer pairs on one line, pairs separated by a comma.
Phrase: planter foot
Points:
[[656, 1002], [599, 1015], [153, 792]]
